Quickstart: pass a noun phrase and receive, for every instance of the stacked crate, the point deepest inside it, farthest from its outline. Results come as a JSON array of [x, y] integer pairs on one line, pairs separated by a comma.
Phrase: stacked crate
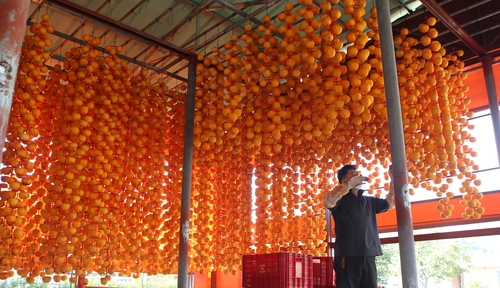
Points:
[[323, 273], [277, 270]]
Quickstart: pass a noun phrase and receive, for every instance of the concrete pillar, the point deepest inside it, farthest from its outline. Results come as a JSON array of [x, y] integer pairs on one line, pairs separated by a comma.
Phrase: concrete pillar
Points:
[[13, 16]]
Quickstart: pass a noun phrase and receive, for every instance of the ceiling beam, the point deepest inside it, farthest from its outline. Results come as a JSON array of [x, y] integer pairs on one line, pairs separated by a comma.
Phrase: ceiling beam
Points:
[[452, 14], [156, 20], [37, 9], [242, 20], [87, 13], [80, 27], [128, 59], [125, 17], [170, 35], [475, 34], [449, 22], [244, 14], [494, 13], [215, 13]]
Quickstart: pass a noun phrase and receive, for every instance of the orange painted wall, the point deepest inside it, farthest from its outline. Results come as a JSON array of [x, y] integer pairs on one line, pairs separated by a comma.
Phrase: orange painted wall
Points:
[[477, 87], [217, 280], [425, 214]]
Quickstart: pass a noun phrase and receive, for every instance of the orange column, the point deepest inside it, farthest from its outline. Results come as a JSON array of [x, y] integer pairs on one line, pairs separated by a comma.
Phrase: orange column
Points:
[[222, 280], [79, 283], [201, 280], [13, 15]]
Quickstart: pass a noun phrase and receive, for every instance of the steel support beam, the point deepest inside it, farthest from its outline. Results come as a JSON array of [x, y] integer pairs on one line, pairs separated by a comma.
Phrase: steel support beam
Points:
[[441, 33], [489, 78], [197, 46], [165, 38], [400, 178], [13, 15], [187, 171], [494, 13], [132, 32], [37, 9], [80, 27], [474, 34], [170, 35], [125, 17], [244, 14], [128, 59], [242, 20], [186, 20], [217, 15], [454, 27]]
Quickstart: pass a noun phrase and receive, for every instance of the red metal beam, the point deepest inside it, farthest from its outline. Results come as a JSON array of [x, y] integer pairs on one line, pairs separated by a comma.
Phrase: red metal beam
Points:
[[425, 214], [447, 235], [454, 27], [443, 235]]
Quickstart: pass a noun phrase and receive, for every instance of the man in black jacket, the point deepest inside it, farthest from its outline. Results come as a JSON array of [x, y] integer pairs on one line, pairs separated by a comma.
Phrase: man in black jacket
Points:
[[357, 242]]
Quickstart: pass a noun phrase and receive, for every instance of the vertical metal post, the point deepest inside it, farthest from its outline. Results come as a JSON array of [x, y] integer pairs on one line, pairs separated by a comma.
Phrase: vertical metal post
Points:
[[13, 16], [197, 40], [79, 283], [492, 100], [187, 170], [403, 207], [191, 280], [213, 279], [328, 227]]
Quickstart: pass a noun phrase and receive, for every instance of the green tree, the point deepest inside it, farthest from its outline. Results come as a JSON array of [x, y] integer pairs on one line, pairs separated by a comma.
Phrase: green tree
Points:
[[478, 285], [441, 260], [436, 260], [144, 281], [387, 263], [19, 282], [14, 281]]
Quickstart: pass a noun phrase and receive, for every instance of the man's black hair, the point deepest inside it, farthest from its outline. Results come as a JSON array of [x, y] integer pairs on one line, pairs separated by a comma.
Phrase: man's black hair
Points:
[[343, 171]]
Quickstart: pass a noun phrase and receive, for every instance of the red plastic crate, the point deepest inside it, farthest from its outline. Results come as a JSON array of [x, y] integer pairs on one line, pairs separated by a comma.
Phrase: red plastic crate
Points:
[[323, 273], [277, 270]]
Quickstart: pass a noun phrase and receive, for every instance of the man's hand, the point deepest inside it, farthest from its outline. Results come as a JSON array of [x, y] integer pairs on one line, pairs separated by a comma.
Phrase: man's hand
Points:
[[390, 196], [357, 181]]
